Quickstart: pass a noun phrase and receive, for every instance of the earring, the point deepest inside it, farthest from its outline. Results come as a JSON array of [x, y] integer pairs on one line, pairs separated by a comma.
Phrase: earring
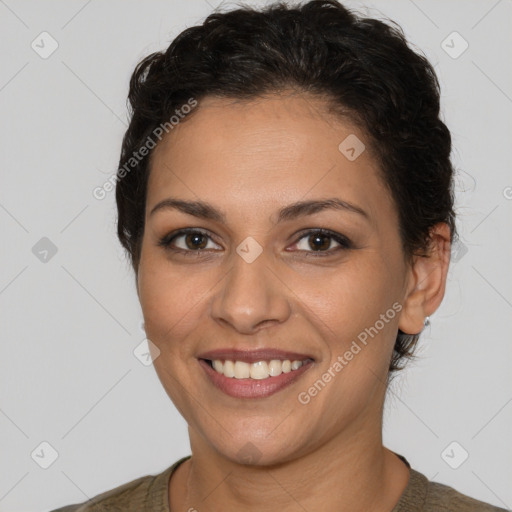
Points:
[[427, 321]]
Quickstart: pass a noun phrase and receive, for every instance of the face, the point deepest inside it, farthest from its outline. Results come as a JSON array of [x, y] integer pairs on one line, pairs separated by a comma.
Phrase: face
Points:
[[291, 251]]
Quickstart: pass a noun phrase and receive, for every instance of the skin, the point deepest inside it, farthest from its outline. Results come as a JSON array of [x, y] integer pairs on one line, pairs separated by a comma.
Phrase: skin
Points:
[[248, 160]]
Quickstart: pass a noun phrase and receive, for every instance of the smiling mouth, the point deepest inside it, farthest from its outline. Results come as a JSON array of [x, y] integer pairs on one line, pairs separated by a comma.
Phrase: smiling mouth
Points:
[[256, 373], [258, 370], [252, 379]]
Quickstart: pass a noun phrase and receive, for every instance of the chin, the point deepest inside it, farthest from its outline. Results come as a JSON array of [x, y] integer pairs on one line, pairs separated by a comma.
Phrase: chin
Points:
[[259, 446]]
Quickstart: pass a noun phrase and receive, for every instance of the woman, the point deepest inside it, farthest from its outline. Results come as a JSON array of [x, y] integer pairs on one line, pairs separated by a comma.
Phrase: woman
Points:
[[285, 196]]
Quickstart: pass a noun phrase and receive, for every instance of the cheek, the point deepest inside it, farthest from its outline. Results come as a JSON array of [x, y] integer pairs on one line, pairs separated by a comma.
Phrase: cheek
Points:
[[356, 292], [357, 313], [171, 298], [358, 324]]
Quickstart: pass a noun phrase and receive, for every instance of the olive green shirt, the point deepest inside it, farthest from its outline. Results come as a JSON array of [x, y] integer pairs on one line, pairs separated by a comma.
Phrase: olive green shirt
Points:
[[150, 494]]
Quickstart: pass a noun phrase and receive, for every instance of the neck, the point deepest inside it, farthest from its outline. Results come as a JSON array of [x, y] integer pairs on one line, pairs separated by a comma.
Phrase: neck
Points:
[[352, 472]]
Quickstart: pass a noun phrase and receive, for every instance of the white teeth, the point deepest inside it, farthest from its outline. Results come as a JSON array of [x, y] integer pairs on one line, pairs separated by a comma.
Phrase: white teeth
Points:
[[242, 370], [287, 366], [296, 365], [229, 368], [258, 370], [275, 368]]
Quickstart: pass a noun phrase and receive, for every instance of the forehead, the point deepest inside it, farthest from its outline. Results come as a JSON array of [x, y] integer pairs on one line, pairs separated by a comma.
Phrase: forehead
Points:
[[276, 149]]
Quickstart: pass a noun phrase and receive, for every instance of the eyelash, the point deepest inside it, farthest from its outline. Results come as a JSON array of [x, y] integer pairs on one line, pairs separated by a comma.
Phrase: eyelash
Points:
[[344, 242]]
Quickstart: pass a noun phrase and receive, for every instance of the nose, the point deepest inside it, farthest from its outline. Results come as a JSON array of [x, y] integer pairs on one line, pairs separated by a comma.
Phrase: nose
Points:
[[251, 297]]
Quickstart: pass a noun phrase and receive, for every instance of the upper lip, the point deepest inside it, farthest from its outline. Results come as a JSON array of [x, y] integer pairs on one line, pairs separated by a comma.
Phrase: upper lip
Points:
[[252, 356]]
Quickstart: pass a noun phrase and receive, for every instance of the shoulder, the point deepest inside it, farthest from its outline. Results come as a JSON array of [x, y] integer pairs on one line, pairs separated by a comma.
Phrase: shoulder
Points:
[[441, 497], [130, 494], [148, 492], [423, 495]]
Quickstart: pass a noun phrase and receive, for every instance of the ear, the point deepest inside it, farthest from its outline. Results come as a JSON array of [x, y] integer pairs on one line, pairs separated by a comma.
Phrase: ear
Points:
[[426, 281]]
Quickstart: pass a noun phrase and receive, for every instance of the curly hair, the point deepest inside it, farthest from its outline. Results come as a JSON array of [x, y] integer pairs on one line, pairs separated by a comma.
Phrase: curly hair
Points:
[[362, 67]]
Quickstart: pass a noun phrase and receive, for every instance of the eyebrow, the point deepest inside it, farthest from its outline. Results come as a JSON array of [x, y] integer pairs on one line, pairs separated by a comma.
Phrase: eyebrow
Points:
[[205, 210]]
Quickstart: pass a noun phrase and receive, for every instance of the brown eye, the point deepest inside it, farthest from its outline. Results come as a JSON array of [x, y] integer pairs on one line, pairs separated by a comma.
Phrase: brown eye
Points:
[[188, 241], [319, 242], [195, 241], [322, 242]]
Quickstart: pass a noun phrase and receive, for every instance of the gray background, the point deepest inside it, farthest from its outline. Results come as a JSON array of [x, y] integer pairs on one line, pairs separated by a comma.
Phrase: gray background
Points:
[[71, 320]]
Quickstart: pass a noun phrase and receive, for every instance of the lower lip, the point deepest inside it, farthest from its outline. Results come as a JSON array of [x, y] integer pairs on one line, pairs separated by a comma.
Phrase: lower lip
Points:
[[252, 388]]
